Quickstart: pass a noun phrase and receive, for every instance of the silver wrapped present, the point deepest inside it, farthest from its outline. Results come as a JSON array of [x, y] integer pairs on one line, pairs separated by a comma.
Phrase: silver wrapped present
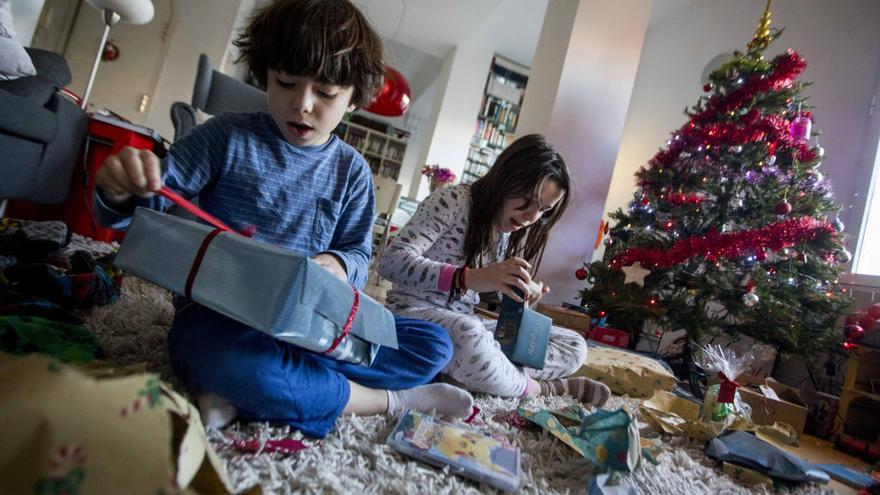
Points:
[[271, 289]]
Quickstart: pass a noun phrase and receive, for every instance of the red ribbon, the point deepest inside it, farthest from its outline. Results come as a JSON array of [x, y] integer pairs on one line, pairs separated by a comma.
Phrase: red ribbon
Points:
[[347, 327], [200, 213], [727, 389], [197, 262]]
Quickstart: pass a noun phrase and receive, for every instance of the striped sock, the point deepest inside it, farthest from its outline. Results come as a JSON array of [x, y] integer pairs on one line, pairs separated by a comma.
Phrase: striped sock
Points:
[[581, 388]]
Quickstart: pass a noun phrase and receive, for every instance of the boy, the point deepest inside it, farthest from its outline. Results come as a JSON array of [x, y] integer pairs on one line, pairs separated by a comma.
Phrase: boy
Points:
[[304, 189]]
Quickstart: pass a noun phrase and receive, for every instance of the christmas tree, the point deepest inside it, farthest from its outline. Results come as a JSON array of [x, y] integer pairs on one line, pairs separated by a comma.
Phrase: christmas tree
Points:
[[732, 229]]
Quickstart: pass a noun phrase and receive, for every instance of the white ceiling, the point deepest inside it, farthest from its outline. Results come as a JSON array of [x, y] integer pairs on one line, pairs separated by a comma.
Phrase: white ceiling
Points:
[[435, 26]]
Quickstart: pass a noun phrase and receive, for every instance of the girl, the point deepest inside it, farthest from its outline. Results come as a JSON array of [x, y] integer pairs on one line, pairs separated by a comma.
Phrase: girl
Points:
[[486, 237]]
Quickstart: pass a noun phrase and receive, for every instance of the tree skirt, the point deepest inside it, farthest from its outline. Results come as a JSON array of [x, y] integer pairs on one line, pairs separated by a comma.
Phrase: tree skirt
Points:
[[354, 458]]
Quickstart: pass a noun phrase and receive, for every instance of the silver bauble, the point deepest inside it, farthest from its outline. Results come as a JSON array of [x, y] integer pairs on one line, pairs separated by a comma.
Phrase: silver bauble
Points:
[[736, 149], [842, 256], [750, 299]]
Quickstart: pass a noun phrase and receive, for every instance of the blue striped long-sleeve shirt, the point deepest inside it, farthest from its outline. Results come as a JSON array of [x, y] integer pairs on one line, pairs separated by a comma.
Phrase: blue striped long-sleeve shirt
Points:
[[310, 200]]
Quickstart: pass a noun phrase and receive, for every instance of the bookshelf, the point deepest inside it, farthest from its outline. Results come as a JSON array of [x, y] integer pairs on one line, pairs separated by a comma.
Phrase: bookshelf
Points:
[[382, 151], [498, 116]]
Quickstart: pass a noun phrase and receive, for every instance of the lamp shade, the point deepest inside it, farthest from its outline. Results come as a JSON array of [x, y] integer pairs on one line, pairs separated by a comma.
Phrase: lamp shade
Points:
[[131, 11], [395, 97]]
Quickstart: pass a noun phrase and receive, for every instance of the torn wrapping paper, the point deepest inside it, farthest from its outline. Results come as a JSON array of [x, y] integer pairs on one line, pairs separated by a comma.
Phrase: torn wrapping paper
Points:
[[68, 432], [608, 439], [271, 289], [626, 373], [671, 414]]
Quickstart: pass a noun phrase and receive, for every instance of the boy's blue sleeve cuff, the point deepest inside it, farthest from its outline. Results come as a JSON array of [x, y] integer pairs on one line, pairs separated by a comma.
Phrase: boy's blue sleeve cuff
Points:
[[357, 271], [118, 219]]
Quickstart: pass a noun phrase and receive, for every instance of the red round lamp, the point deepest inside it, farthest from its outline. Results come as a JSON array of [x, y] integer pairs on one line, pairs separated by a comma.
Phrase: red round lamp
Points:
[[395, 97]]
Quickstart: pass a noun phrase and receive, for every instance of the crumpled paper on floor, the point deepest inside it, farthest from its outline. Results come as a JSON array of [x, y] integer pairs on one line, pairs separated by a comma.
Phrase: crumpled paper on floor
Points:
[[608, 439], [674, 415], [66, 431]]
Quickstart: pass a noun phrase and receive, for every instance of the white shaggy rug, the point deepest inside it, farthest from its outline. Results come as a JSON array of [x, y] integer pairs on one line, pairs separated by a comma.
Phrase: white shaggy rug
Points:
[[354, 459]]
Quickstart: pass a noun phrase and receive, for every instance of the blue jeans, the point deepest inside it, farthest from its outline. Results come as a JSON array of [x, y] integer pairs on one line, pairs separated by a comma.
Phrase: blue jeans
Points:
[[270, 380]]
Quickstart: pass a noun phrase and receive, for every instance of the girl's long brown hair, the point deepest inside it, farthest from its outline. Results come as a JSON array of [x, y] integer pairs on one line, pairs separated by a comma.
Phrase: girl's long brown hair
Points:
[[518, 172]]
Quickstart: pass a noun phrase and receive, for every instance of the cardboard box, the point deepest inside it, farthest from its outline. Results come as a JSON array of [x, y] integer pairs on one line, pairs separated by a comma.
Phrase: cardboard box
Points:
[[790, 408], [564, 317]]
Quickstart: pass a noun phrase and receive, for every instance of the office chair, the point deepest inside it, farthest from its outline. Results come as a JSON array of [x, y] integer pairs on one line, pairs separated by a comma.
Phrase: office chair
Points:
[[213, 94]]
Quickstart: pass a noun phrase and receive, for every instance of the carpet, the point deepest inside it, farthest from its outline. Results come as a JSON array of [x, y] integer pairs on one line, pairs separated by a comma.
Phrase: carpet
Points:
[[354, 458]]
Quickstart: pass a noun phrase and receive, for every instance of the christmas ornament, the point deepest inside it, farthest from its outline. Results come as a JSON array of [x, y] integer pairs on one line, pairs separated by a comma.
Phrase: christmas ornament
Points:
[[736, 203], [838, 225], [842, 256], [635, 274], [853, 332], [580, 274], [750, 299], [736, 149], [707, 87], [867, 322], [800, 128], [395, 96], [802, 257], [783, 208], [820, 151]]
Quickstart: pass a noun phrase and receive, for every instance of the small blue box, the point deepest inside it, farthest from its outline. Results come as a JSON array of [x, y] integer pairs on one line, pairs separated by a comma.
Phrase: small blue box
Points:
[[523, 333]]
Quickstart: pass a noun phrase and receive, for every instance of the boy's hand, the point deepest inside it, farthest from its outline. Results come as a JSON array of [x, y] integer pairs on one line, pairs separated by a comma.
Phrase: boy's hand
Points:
[[332, 264], [132, 172]]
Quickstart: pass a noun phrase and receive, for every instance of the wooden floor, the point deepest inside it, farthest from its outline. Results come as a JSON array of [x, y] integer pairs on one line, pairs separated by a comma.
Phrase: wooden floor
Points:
[[819, 451]]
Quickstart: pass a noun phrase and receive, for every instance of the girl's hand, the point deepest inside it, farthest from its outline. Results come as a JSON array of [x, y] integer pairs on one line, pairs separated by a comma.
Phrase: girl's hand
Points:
[[535, 298], [502, 276]]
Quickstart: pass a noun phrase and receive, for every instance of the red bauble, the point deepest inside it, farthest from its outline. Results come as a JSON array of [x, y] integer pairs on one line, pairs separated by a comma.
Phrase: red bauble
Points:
[[580, 274], [851, 320], [783, 208], [867, 322], [394, 98], [853, 332], [707, 87], [874, 310]]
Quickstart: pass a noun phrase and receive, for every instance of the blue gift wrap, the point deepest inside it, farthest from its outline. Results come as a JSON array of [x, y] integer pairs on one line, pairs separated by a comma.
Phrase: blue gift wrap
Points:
[[271, 289], [523, 333]]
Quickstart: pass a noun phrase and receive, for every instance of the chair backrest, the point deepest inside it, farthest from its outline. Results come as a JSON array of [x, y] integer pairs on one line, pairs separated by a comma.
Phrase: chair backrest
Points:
[[213, 94], [387, 195]]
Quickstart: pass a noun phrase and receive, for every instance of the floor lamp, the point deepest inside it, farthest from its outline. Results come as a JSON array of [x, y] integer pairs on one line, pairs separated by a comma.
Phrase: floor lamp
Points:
[[114, 11]]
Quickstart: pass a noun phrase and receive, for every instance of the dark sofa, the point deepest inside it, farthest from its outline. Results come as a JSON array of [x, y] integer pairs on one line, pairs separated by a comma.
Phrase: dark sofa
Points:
[[41, 132]]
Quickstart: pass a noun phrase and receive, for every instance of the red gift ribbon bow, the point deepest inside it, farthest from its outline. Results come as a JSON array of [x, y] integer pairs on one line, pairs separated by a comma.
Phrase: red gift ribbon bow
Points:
[[727, 389], [347, 327]]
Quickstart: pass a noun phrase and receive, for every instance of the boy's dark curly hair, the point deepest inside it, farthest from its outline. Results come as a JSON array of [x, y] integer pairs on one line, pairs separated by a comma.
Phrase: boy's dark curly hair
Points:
[[329, 41]]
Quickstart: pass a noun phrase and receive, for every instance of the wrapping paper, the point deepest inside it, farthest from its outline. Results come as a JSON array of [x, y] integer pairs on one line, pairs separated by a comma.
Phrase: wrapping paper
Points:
[[66, 431], [271, 289], [626, 373]]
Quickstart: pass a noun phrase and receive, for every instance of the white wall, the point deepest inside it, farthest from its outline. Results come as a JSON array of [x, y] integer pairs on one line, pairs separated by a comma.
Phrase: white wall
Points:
[[200, 26], [578, 97], [841, 44]]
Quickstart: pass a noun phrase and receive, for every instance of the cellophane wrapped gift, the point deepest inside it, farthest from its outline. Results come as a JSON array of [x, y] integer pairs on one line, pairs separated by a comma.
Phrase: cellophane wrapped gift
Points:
[[271, 289], [722, 401]]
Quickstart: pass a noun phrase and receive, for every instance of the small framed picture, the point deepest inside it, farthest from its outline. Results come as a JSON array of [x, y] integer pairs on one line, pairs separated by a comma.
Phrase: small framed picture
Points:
[[875, 386]]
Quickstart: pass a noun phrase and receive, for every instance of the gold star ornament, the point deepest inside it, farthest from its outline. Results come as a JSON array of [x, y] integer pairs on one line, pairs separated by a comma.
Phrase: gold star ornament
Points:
[[635, 274]]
